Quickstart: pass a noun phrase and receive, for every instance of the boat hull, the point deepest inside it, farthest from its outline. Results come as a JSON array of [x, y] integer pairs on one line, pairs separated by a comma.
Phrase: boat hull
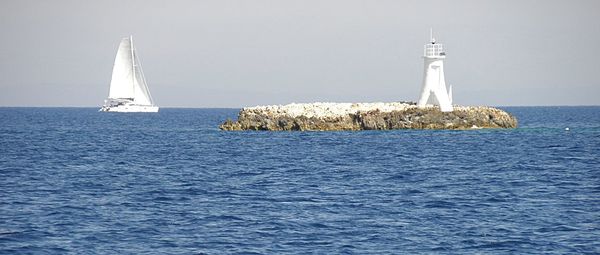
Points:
[[130, 108]]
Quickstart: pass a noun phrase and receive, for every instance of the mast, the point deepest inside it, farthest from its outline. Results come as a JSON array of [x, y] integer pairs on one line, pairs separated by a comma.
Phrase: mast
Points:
[[132, 64], [431, 34]]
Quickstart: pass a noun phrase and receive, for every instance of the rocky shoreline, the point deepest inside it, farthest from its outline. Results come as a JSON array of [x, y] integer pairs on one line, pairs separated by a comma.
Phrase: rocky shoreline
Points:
[[367, 116]]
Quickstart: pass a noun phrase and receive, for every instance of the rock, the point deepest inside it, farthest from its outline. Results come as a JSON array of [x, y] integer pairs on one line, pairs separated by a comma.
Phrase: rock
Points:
[[366, 116]]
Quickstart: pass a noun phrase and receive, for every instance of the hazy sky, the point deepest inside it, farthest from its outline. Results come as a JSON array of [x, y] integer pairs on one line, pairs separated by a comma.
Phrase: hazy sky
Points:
[[242, 53]]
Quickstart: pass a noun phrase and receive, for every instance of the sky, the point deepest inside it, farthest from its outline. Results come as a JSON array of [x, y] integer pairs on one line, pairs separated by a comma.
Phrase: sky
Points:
[[222, 53]]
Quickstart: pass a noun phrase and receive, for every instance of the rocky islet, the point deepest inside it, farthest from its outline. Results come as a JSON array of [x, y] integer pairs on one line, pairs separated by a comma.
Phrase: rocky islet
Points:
[[367, 116]]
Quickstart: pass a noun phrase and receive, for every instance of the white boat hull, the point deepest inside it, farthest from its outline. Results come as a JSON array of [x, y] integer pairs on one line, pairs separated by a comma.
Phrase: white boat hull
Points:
[[130, 108]]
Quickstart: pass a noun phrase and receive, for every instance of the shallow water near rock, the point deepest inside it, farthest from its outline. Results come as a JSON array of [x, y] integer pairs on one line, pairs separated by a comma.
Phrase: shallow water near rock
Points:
[[73, 180]]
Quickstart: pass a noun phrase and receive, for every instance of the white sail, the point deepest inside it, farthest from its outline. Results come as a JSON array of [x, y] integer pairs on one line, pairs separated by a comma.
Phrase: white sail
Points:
[[122, 75]]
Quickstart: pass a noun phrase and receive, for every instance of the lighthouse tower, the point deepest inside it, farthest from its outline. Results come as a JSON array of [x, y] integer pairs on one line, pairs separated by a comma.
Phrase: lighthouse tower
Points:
[[434, 85]]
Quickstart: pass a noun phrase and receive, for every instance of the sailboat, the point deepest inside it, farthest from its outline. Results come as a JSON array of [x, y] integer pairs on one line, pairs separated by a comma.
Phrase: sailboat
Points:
[[128, 89]]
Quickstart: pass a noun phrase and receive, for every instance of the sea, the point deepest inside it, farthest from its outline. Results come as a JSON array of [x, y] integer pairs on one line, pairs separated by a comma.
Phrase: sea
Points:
[[78, 181]]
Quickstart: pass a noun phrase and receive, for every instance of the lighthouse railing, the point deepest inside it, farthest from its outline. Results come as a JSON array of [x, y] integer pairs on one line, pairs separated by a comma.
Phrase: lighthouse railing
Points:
[[433, 50]]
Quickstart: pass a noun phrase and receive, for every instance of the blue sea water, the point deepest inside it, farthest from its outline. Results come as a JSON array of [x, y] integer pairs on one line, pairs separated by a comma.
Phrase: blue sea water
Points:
[[76, 181]]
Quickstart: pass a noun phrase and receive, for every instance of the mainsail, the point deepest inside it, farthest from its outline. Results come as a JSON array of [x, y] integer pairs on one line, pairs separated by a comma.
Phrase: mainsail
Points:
[[128, 80]]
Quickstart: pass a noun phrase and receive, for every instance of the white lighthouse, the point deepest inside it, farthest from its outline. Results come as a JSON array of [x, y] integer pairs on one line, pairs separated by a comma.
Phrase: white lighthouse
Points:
[[434, 84]]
